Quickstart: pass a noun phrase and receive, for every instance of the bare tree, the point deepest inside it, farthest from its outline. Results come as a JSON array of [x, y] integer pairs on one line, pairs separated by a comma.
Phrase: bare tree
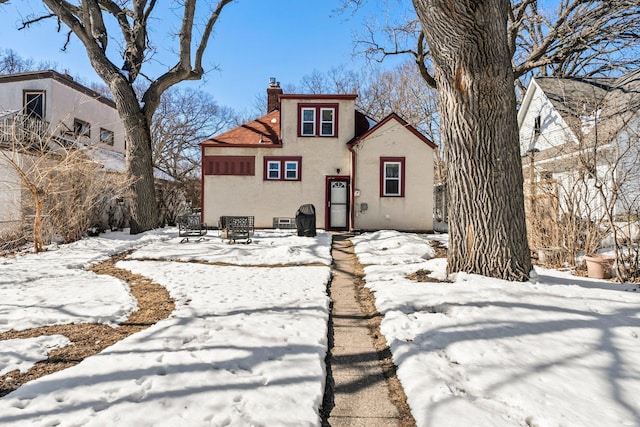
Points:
[[183, 119], [568, 37], [86, 20], [68, 190], [11, 63], [473, 73]]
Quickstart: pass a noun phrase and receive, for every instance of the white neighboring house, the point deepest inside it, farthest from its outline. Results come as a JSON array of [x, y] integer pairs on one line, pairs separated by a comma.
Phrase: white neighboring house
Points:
[[53, 104], [583, 130]]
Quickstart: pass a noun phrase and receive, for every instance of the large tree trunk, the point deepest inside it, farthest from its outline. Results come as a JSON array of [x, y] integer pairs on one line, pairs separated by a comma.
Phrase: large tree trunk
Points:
[[144, 208], [468, 41]]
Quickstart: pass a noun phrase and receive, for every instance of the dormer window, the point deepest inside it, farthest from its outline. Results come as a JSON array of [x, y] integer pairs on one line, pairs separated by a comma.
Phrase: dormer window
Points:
[[318, 120]]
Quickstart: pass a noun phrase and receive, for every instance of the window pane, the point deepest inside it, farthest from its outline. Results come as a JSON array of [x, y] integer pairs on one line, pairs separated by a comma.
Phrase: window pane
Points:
[[392, 170], [392, 186], [327, 115], [307, 129], [308, 115], [291, 170], [327, 129], [34, 105], [273, 170]]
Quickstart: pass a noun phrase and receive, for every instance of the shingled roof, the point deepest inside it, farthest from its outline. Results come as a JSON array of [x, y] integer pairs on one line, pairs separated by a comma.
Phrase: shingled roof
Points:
[[615, 102], [264, 131]]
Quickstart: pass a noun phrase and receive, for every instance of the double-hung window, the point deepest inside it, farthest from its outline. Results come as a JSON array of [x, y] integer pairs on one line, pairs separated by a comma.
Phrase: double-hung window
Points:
[[308, 125], [282, 168], [273, 169], [392, 173], [318, 120]]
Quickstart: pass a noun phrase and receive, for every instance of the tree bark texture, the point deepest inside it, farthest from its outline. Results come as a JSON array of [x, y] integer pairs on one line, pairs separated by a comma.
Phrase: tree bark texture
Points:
[[472, 61]]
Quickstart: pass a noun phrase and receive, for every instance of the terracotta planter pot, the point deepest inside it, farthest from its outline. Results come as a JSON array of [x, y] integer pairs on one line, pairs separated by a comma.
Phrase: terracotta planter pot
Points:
[[599, 266]]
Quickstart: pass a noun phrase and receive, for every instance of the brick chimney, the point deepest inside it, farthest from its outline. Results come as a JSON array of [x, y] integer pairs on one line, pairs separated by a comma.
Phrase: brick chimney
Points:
[[273, 91]]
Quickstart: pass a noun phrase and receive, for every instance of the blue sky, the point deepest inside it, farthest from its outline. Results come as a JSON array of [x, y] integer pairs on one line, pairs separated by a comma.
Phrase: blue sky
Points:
[[254, 40]]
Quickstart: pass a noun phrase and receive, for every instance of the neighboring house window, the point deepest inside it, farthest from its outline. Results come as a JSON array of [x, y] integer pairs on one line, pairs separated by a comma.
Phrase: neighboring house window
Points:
[[34, 104], [106, 136], [81, 128], [230, 165], [318, 120], [392, 173], [282, 168]]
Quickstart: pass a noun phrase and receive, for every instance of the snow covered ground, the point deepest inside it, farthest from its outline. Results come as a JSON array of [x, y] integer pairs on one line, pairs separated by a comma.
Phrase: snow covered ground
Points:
[[244, 346], [559, 350], [246, 342]]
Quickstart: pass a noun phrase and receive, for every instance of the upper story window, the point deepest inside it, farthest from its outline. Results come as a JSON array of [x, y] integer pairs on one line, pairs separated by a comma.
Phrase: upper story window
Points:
[[33, 101], [392, 173], [81, 128], [282, 168], [318, 120], [106, 136]]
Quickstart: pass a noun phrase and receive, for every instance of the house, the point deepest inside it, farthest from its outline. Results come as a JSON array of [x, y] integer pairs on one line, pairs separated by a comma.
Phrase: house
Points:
[[318, 149], [581, 134], [580, 147], [46, 105]]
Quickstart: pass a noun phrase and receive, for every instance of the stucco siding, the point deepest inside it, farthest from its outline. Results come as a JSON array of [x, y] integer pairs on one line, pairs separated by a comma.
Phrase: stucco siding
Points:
[[252, 195], [10, 195], [414, 211], [62, 105]]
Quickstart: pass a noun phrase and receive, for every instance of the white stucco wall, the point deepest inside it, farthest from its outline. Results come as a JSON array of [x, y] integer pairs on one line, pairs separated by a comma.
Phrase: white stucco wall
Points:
[[414, 211], [10, 195], [252, 195], [62, 105]]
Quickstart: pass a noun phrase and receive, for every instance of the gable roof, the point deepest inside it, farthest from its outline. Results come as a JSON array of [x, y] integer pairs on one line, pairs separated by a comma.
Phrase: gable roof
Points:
[[64, 79], [264, 131], [392, 116], [613, 102]]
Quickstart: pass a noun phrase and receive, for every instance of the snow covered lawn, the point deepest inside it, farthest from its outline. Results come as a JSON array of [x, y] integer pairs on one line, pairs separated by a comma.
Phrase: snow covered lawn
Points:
[[244, 346], [246, 342], [559, 350]]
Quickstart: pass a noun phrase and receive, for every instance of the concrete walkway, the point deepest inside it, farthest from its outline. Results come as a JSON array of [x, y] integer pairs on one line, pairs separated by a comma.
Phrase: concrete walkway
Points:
[[360, 392]]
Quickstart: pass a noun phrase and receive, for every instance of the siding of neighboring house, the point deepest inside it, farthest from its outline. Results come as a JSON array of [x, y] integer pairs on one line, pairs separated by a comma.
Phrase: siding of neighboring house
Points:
[[552, 131], [66, 105], [10, 196], [65, 101], [580, 118]]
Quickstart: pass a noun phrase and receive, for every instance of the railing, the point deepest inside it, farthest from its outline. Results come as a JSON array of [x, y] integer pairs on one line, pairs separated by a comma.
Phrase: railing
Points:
[[20, 128]]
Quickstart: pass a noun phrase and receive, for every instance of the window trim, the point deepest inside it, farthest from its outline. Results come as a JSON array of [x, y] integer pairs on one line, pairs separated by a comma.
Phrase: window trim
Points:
[[110, 141], [383, 178], [278, 170], [318, 108], [42, 93], [82, 123], [282, 171]]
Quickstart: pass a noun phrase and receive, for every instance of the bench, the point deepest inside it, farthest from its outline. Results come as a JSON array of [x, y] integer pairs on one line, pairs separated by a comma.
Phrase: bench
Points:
[[236, 228], [190, 225]]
